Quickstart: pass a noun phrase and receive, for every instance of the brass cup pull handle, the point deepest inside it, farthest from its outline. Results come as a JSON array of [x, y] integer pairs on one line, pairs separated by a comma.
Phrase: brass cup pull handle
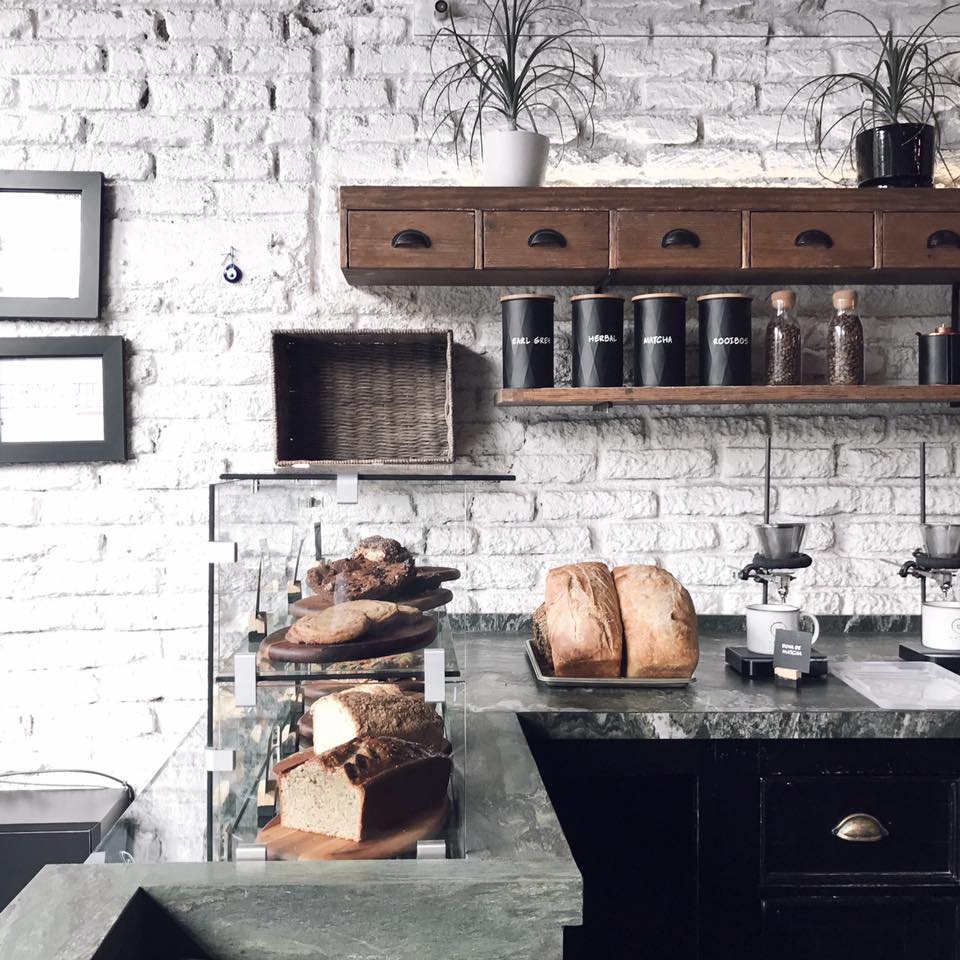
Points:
[[813, 238], [860, 828], [943, 238], [410, 238], [546, 238], [680, 237]]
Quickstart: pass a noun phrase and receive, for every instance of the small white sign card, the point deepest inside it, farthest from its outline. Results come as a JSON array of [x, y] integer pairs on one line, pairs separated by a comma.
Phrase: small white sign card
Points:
[[51, 399]]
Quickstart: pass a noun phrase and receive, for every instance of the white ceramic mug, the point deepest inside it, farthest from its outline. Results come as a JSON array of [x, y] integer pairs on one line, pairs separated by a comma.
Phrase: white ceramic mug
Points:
[[941, 624], [765, 619]]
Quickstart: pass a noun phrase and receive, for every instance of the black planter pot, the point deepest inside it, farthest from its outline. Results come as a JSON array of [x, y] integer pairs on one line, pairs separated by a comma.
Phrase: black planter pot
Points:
[[896, 155]]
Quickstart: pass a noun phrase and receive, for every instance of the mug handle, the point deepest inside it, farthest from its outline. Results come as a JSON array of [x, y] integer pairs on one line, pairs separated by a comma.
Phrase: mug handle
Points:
[[816, 626]]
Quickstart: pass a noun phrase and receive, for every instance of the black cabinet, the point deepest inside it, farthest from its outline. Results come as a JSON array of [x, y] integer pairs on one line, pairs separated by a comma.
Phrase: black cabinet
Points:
[[760, 850]]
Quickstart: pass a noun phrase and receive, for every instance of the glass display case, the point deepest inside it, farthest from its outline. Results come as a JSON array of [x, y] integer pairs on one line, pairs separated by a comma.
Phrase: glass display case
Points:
[[291, 547]]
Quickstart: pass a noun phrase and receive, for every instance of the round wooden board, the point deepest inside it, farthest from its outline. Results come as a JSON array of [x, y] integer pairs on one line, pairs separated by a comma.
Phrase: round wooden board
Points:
[[423, 601], [282, 843], [404, 638]]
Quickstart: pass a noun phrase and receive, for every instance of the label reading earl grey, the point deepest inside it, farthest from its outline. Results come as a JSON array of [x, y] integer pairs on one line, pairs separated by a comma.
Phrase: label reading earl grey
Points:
[[529, 341]]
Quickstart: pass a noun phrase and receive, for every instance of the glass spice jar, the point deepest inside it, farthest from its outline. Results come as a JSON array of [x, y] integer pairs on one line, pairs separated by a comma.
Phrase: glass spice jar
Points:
[[845, 341], [783, 341]]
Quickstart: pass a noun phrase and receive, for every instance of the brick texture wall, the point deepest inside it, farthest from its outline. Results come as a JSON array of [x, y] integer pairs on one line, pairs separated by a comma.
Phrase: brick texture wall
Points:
[[232, 124]]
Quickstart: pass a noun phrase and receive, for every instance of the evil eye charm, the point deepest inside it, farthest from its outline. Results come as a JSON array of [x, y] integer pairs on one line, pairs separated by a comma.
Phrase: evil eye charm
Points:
[[232, 273]]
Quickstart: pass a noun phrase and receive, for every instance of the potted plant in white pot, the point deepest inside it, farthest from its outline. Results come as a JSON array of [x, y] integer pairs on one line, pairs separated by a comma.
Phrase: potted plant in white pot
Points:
[[894, 128], [534, 64]]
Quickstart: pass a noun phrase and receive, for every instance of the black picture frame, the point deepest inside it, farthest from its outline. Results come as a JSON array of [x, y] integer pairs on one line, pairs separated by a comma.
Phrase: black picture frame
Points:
[[113, 447], [86, 306]]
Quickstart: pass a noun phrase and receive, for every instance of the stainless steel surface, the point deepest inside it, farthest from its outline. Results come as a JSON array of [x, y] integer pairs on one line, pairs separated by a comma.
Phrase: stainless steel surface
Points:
[[621, 682], [941, 539], [431, 849], [779, 540]]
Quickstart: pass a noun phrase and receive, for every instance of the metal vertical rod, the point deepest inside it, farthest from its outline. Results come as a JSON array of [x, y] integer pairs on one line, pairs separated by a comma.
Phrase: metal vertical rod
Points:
[[955, 307], [766, 487], [923, 501]]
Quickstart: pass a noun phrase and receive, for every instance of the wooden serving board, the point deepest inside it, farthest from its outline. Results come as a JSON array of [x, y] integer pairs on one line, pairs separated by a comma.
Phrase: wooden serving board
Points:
[[282, 843], [423, 601], [410, 636]]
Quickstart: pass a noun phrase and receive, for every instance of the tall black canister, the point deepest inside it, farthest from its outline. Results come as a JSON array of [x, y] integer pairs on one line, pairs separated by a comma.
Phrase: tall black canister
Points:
[[527, 340], [660, 340], [597, 340], [725, 339]]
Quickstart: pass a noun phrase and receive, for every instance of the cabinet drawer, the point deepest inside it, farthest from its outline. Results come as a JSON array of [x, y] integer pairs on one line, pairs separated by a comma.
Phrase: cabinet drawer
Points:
[[811, 240], [677, 239], [918, 816], [546, 238], [411, 238], [921, 239]]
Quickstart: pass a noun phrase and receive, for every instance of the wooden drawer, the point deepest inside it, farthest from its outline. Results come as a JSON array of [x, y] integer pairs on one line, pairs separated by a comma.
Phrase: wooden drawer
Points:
[[411, 238], [801, 814], [811, 240], [547, 239], [921, 240], [678, 239]]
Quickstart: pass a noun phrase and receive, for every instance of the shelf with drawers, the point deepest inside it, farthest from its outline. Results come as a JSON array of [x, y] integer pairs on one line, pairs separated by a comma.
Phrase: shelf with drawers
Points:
[[639, 235]]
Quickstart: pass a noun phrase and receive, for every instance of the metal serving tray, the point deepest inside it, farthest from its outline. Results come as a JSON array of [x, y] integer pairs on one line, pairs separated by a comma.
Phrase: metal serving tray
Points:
[[624, 683]]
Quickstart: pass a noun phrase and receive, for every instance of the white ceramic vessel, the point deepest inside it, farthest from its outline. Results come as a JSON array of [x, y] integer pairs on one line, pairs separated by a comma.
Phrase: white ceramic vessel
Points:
[[765, 619], [514, 158], [940, 620]]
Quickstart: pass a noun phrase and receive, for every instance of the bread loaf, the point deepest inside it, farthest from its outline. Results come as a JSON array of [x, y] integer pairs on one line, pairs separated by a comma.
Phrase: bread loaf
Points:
[[362, 787], [659, 623], [583, 621], [373, 713]]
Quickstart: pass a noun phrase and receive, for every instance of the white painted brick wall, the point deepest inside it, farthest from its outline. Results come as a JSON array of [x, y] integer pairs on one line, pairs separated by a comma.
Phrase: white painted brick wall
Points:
[[233, 125]]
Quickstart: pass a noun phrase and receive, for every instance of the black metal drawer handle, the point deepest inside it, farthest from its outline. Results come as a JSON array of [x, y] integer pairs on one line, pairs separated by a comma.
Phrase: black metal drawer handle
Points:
[[410, 238], [680, 238], [860, 828], [813, 238], [943, 238], [546, 238]]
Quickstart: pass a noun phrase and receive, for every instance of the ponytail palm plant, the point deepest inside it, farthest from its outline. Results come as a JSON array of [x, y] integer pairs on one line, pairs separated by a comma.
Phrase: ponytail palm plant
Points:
[[533, 65]]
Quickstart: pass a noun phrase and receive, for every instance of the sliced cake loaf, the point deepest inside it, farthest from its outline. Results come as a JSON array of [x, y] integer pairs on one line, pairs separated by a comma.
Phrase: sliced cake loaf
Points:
[[361, 788]]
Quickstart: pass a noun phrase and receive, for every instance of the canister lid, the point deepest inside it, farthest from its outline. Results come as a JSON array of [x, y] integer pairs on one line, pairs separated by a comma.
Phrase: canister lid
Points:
[[787, 297], [845, 299], [944, 330], [597, 296], [724, 296], [658, 296], [528, 296]]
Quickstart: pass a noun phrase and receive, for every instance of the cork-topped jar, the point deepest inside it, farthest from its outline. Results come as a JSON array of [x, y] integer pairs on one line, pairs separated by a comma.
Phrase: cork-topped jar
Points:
[[845, 341], [783, 353]]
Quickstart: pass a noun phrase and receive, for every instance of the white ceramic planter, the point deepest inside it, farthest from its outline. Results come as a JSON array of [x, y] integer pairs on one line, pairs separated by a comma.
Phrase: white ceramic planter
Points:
[[514, 158]]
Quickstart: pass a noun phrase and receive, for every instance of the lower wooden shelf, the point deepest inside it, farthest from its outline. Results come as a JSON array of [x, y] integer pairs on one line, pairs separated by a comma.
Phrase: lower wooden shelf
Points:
[[807, 393]]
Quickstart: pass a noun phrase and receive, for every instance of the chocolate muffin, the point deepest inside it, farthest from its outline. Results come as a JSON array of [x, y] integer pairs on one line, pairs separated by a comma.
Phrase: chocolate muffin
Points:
[[358, 579]]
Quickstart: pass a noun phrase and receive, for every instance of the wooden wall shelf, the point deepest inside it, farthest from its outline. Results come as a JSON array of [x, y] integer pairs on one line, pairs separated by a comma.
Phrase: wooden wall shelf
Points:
[[662, 396], [643, 236]]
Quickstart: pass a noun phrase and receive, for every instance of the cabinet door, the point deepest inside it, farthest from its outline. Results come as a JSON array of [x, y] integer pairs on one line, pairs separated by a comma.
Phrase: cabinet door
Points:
[[879, 928], [547, 239], [811, 240]]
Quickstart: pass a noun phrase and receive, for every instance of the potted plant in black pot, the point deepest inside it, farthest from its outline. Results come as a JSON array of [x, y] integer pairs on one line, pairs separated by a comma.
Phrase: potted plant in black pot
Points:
[[894, 129], [532, 64]]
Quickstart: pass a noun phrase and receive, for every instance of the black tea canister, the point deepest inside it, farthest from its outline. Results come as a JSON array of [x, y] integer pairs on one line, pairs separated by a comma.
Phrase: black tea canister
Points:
[[597, 340], [939, 356], [660, 340], [527, 340], [725, 339]]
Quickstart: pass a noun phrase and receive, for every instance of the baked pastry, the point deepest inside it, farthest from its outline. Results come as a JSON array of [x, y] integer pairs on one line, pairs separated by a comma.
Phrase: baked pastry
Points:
[[362, 787], [349, 621], [540, 642], [583, 621], [365, 712], [381, 550], [659, 623], [356, 578]]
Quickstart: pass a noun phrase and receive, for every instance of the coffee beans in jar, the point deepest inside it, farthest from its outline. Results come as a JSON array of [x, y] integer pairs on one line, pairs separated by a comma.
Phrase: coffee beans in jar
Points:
[[783, 353], [845, 341]]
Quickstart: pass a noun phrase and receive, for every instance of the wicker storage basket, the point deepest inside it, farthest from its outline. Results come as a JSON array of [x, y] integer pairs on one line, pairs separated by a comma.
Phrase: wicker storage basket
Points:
[[363, 396]]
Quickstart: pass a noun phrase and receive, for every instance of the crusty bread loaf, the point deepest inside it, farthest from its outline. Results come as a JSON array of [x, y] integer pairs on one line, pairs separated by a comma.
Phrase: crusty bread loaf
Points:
[[540, 642], [583, 621], [659, 623], [373, 713], [361, 788]]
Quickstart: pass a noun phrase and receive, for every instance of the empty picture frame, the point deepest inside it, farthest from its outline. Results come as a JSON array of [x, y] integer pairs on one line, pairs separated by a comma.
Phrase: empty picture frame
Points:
[[62, 400], [50, 245]]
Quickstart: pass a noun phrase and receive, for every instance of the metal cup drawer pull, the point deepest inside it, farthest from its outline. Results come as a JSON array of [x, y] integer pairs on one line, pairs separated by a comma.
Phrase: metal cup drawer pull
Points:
[[546, 238], [410, 238], [680, 238], [860, 828], [943, 238], [813, 238]]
